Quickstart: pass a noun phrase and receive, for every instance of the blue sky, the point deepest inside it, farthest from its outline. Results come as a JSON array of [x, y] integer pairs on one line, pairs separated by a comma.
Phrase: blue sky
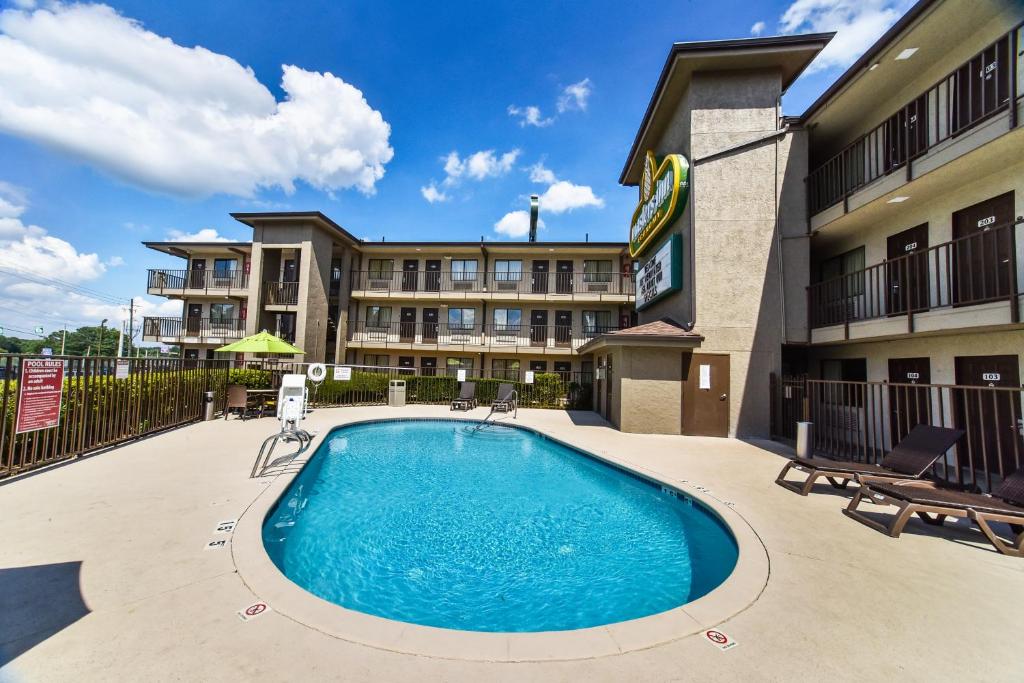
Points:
[[119, 131]]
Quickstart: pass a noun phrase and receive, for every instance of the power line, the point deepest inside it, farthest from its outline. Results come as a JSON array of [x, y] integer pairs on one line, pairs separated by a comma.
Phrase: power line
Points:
[[19, 269], [17, 329], [77, 289]]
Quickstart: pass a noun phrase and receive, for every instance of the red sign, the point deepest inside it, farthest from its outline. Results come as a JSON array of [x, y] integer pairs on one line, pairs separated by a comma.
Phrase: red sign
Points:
[[40, 387]]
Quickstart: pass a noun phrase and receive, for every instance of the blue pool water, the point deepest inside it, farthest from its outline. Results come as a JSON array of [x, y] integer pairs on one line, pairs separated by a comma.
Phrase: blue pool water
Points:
[[501, 529]]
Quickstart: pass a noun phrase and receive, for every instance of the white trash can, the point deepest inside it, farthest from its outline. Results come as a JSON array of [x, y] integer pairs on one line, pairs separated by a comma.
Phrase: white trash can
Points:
[[804, 439], [396, 393]]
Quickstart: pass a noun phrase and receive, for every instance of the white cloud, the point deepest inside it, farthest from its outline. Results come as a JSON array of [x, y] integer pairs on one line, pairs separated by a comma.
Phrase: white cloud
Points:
[[530, 116], [564, 196], [540, 174], [96, 85], [858, 23], [515, 224], [477, 166], [575, 96], [115, 261], [758, 28], [432, 194], [204, 235]]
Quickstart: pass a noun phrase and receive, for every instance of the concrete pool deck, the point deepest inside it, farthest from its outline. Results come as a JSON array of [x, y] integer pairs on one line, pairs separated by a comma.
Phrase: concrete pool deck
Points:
[[104, 574]]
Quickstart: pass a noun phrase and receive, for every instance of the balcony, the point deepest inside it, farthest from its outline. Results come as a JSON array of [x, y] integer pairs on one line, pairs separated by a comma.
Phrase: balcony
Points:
[[197, 282], [541, 339], [280, 293], [495, 286], [974, 93], [195, 330], [968, 282]]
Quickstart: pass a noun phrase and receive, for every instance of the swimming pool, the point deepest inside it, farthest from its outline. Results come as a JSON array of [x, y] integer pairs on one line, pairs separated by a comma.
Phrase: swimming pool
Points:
[[500, 529]]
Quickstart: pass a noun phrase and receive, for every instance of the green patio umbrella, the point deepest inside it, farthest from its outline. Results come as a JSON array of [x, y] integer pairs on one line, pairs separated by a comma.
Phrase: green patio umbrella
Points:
[[261, 342]]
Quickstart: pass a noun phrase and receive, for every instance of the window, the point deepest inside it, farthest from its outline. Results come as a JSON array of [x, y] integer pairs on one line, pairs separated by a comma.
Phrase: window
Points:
[[376, 360], [461, 319], [378, 316], [222, 313], [224, 267], [507, 321], [381, 268], [597, 322], [505, 368], [597, 271], [453, 365], [508, 271], [845, 369], [463, 270], [848, 263]]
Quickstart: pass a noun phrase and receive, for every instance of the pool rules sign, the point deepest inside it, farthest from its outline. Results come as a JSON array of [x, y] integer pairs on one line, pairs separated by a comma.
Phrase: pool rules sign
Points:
[[40, 387]]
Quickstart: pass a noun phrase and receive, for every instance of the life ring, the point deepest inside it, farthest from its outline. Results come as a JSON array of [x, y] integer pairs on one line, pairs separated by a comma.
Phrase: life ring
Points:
[[317, 372]]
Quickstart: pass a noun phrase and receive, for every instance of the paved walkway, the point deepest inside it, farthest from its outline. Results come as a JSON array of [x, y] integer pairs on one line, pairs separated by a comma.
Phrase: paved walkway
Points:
[[104, 576]]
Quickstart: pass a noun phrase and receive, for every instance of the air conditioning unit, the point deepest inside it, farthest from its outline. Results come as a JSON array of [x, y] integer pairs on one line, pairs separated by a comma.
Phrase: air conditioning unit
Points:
[[462, 285], [597, 286], [842, 425], [380, 284], [507, 286]]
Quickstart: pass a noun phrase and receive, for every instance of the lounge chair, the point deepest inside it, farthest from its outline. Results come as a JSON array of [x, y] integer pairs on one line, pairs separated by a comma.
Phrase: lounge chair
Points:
[[909, 459], [506, 400], [1005, 504], [466, 398]]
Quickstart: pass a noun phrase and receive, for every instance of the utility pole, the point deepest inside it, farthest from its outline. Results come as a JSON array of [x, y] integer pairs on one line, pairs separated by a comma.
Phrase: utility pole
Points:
[[131, 325], [63, 339], [102, 324]]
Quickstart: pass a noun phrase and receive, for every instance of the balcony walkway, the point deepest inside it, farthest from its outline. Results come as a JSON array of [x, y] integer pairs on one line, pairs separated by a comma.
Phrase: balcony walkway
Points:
[[105, 577]]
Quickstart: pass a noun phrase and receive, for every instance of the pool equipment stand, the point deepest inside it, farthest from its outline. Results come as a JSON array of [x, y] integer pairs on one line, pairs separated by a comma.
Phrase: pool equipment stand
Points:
[[291, 409]]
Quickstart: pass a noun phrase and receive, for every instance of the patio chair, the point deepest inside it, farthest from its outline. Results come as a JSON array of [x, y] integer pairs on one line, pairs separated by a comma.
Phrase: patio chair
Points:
[[238, 401], [506, 400], [1004, 504], [466, 398], [909, 459]]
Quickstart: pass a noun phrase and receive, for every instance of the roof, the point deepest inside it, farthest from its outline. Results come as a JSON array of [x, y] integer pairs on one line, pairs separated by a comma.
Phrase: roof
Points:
[[251, 219], [664, 330], [183, 249], [868, 57], [791, 54]]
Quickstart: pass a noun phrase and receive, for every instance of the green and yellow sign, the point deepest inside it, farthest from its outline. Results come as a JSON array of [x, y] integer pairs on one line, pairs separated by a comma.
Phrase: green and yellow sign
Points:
[[663, 192]]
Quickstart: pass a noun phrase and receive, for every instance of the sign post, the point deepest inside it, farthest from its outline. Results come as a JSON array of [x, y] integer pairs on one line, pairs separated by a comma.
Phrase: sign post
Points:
[[40, 389]]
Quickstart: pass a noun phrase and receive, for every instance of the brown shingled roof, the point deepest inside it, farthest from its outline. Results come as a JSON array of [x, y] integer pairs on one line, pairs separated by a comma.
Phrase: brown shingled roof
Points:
[[666, 327]]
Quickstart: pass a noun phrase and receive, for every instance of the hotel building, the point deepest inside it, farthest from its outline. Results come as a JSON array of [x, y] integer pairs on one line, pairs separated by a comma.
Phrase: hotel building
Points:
[[875, 237]]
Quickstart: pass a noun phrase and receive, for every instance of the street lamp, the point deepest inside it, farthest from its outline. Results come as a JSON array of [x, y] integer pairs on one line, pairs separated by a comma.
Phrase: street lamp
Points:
[[102, 323]]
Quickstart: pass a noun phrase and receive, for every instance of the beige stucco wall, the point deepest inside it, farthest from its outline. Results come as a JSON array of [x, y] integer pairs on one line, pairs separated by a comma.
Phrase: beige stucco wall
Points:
[[729, 234], [649, 389]]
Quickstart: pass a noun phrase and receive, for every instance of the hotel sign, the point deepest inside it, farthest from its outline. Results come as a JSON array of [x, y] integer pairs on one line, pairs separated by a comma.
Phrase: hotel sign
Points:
[[663, 193], [661, 275]]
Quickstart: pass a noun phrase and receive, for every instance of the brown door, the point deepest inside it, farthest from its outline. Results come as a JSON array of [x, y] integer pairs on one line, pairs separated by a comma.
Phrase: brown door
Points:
[[197, 275], [408, 363], [705, 394], [432, 279], [906, 270], [407, 324], [410, 274], [990, 418], [428, 366], [538, 366], [563, 277], [909, 406], [429, 324], [981, 255], [538, 328], [194, 320], [563, 328], [540, 277]]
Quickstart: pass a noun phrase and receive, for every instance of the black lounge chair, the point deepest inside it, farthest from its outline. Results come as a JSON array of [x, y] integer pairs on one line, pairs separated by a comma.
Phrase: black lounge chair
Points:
[[466, 398], [506, 400], [1005, 504], [911, 458]]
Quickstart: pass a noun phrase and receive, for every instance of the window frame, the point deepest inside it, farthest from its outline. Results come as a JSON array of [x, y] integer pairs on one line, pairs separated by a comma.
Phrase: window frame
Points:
[[598, 275], [461, 274], [504, 273], [461, 326], [375, 319], [384, 269]]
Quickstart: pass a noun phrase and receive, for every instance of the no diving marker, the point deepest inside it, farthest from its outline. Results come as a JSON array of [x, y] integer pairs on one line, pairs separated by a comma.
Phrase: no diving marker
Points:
[[720, 640], [252, 611], [225, 527]]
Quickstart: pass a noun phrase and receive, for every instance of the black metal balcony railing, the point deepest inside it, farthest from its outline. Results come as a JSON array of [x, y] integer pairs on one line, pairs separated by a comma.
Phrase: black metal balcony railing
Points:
[[202, 328], [177, 281], [281, 293], [403, 334], [862, 421], [976, 269], [972, 93], [543, 284]]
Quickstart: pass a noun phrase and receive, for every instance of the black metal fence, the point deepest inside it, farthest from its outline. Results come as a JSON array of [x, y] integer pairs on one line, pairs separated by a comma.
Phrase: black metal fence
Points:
[[863, 420]]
